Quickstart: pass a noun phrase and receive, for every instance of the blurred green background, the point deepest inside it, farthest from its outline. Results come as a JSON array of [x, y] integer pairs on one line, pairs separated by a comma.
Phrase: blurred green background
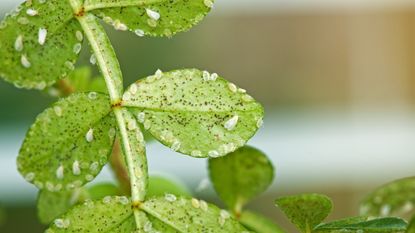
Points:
[[337, 79]]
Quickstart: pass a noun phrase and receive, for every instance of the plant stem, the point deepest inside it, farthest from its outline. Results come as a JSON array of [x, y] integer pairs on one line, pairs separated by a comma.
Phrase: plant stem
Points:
[[108, 63], [119, 168], [104, 52]]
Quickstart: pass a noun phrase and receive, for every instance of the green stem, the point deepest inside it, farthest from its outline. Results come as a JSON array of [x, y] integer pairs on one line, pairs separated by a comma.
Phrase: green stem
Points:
[[104, 52], [133, 146]]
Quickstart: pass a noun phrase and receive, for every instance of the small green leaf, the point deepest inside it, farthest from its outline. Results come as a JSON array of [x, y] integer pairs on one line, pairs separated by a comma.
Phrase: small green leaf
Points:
[[191, 215], [240, 176], [159, 185], [194, 112], [395, 198], [99, 191], [306, 210], [259, 223], [151, 17], [39, 43], [352, 225], [69, 143], [111, 214]]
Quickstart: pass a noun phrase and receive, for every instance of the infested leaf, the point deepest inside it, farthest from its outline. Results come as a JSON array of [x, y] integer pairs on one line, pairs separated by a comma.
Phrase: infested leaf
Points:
[[69, 143], [149, 223], [352, 225], [191, 215], [306, 210], [94, 216], [111, 214], [39, 43], [395, 198], [258, 223], [240, 176], [194, 112], [159, 186], [151, 17]]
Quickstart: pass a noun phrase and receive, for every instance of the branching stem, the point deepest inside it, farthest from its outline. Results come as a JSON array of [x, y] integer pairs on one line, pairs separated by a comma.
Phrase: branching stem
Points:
[[108, 63]]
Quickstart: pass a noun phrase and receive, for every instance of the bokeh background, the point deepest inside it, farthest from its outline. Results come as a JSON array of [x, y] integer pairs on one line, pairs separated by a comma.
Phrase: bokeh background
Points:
[[337, 79]]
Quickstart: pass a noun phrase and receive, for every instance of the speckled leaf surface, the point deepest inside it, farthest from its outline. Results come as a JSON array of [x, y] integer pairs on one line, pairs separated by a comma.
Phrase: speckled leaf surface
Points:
[[39, 43], [306, 210], [151, 224], [395, 198], [191, 215], [194, 112], [159, 226], [240, 176], [69, 142], [111, 214], [380, 225], [258, 223], [151, 17]]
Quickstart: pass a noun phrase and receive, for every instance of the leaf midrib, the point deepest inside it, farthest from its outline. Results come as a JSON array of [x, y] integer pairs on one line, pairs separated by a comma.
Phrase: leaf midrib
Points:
[[95, 6], [192, 111]]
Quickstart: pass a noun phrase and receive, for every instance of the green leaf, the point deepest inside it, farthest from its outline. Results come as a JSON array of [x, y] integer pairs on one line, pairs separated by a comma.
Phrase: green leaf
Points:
[[99, 191], [111, 214], [81, 80], [191, 215], [194, 113], [395, 198], [258, 223], [151, 17], [69, 143], [384, 225], [152, 224], [240, 176], [306, 210], [159, 185], [39, 43], [342, 222]]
